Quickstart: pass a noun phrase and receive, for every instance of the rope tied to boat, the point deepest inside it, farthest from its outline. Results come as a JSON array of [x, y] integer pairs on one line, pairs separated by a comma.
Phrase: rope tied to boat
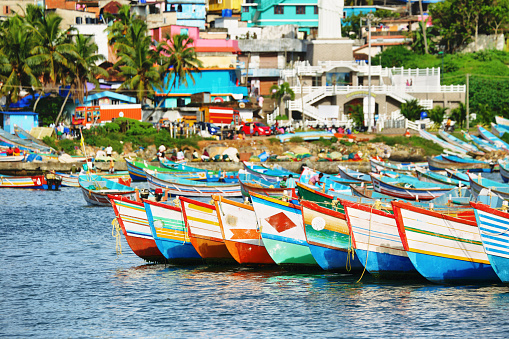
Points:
[[116, 232], [376, 205]]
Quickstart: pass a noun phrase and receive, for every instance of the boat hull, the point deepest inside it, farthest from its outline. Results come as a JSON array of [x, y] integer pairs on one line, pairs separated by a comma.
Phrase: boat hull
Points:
[[407, 193], [442, 165], [34, 182], [284, 252], [387, 266], [101, 199]]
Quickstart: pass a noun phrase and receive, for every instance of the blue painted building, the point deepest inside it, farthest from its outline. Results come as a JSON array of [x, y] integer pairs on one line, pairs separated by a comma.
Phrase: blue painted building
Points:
[[25, 120], [190, 13], [221, 83], [107, 98]]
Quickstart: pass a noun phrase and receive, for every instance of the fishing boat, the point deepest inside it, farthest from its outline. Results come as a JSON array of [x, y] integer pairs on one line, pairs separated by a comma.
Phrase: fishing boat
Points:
[[441, 163], [487, 135], [35, 182], [499, 130], [132, 217], [504, 169], [96, 189], [10, 140], [212, 176], [368, 192], [267, 174], [480, 143], [328, 238], [12, 158], [263, 187], [329, 182], [184, 187], [376, 241], [306, 136], [22, 134], [443, 248], [460, 143], [442, 143], [437, 178], [135, 169], [349, 174], [170, 233], [494, 231], [241, 233], [204, 231], [408, 189], [457, 174], [282, 231], [483, 186], [71, 180], [377, 166], [501, 120]]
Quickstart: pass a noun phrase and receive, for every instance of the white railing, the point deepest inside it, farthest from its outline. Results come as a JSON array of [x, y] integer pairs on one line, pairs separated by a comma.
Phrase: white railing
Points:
[[415, 71], [330, 90]]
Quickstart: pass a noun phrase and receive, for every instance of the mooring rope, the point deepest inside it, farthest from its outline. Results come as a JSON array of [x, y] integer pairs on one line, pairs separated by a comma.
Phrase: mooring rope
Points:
[[116, 232]]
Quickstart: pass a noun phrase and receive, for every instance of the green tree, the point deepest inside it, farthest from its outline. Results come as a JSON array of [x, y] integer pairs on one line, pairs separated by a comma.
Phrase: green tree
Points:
[[484, 114], [281, 94], [459, 114], [418, 45], [437, 114], [411, 109], [498, 14], [121, 22], [397, 56], [357, 115]]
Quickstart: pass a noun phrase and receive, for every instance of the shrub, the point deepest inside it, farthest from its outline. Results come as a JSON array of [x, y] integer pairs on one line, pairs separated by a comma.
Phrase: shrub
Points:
[[296, 139]]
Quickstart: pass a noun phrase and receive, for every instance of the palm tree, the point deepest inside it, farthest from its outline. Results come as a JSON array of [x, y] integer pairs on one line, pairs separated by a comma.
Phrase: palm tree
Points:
[[459, 114], [411, 109], [282, 93], [15, 45], [122, 22], [421, 37], [437, 114], [138, 63]]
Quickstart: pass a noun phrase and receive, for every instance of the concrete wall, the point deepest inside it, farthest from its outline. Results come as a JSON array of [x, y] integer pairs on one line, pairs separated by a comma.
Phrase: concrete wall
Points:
[[329, 50], [100, 37], [272, 45]]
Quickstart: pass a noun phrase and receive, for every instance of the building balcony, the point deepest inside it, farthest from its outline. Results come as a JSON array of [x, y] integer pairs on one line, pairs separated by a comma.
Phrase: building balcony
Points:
[[261, 72]]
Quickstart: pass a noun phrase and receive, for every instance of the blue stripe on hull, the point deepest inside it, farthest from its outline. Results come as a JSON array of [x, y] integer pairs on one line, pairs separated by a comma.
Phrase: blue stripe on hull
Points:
[[386, 265], [176, 250], [501, 267], [334, 260], [446, 270], [135, 177]]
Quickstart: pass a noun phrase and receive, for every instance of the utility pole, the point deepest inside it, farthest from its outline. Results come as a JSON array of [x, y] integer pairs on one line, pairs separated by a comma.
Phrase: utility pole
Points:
[[370, 17], [423, 28], [467, 99], [301, 100]]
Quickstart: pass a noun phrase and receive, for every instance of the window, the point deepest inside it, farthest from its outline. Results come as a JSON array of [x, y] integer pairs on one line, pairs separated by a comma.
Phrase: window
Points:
[[179, 8], [245, 9], [316, 9], [300, 9], [279, 10], [184, 31]]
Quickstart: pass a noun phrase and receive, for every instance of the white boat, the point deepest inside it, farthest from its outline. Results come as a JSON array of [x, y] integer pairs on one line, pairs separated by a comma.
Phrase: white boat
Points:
[[501, 120]]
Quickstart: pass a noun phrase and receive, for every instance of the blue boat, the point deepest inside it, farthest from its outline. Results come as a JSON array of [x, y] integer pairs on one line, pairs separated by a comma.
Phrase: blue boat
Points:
[[480, 143], [482, 186], [434, 177], [504, 169], [306, 136], [460, 143], [499, 130], [442, 163], [170, 232], [349, 174], [442, 143], [212, 176], [497, 142], [329, 182], [267, 174]]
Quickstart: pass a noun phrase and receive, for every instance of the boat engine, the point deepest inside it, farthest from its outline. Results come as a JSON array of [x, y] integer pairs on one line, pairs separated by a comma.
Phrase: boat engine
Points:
[[53, 181], [158, 194], [144, 193]]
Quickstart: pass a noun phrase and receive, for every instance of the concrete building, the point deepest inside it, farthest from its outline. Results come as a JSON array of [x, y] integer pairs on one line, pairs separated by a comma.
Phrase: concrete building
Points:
[[218, 6], [190, 13], [25, 120]]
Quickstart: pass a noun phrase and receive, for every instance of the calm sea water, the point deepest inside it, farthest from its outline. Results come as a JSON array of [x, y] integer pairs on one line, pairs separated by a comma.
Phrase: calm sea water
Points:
[[60, 277]]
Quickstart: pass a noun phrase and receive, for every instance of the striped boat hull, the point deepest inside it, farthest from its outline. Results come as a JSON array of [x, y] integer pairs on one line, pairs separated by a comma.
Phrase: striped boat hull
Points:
[[241, 233], [204, 231], [282, 231], [35, 182], [443, 248], [407, 193], [494, 232], [377, 243], [330, 245], [132, 218]]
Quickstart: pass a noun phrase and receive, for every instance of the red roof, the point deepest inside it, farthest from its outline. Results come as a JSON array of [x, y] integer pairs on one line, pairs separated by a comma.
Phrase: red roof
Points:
[[217, 49]]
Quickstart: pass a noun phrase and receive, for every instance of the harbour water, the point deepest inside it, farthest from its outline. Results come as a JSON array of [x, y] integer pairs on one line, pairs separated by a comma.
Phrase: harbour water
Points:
[[60, 276]]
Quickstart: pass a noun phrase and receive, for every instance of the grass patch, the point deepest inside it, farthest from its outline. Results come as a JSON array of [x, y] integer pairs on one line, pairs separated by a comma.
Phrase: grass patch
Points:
[[274, 141], [68, 145], [296, 139], [429, 147], [326, 142]]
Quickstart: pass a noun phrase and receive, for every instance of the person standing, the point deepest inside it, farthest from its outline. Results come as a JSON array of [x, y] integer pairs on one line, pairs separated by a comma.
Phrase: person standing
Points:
[[162, 150], [109, 150]]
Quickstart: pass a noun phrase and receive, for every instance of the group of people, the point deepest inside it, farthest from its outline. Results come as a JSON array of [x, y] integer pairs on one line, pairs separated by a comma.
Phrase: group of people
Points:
[[176, 155], [13, 152]]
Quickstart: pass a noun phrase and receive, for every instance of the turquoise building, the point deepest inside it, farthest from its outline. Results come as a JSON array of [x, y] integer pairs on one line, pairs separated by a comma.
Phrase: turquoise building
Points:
[[25, 120], [261, 13], [221, 83], [190, 13]]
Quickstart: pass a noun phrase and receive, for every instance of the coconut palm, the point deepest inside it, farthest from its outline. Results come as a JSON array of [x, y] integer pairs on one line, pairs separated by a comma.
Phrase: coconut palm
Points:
[[121, 24], [281, 94], [411, 109]]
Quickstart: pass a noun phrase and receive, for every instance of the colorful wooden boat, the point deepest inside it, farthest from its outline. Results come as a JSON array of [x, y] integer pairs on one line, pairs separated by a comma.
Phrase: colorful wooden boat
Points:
[[258, 186], [457, 174], [468, 160], [212, 176], [349, 174], [12, 158], [494, 231], [96, 189], [329, 182], [306, 136], [499, 130], [440, 163], [436, 178], [443, 248], [408, 189], [501, 120], [170, 233], [409, 169], [204, 231], [328, 238], [368, 192], [376, 240], [442, 143], [487, 135], [135, 169], [22, 134], [71, 180], [483, 186], [34, 182], [10, 140], [184, 187], [241, 233], [267, 174], [282, 231], [460, 143], [132, 218], [480, 143], [504, 169]]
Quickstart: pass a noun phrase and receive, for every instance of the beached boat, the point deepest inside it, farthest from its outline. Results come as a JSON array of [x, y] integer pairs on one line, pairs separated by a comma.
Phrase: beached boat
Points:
[[368, 192], [499, 130], [329, 182], [306, 136], [135, 169], [480, 143], [442, 143], [436, 178], [12, 158], [10, 140], [184, 187], [96, 189], [501, 120], [460, 143], [504, 169], [457, 174], [408, 189], [132, 218], [409, 169], [260, 186], [71, 180], [483, 186], [443, 248], [212, 176], [491, 138], [267, 174], [376, 240], [241, 233], [328, 238], [349, 174], [494, 231], [170, 233], [282, 231], [22, 134], [441, 163], [204, 231]]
